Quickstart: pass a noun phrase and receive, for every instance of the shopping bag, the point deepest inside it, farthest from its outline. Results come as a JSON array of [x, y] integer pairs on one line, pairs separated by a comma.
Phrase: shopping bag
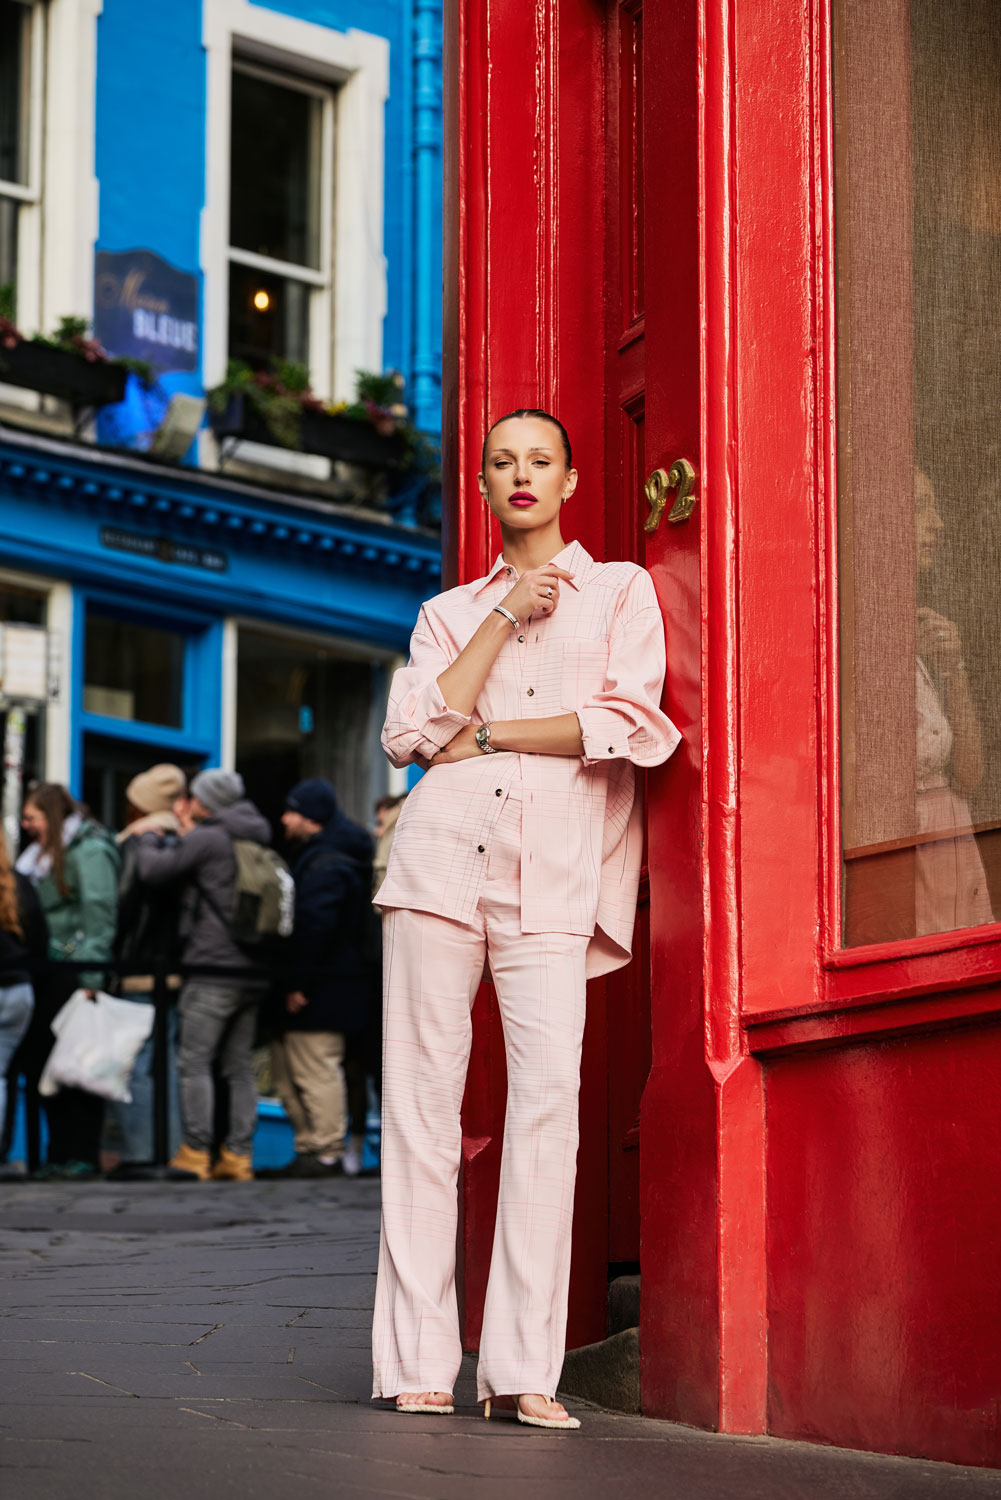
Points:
[[97, 1042]]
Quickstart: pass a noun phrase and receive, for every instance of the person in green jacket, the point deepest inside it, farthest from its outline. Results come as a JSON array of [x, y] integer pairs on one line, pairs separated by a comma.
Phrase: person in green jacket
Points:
[[73, 863]]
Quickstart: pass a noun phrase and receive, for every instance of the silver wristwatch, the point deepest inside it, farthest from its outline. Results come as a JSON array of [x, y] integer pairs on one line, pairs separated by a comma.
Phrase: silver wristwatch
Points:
[[483, 740]]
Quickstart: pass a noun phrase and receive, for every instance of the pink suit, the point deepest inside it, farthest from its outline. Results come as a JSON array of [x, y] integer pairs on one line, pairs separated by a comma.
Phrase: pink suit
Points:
[[529, 863]]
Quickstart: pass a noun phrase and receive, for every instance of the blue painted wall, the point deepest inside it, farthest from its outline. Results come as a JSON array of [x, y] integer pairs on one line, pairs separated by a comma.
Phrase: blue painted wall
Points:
[[150, 157]]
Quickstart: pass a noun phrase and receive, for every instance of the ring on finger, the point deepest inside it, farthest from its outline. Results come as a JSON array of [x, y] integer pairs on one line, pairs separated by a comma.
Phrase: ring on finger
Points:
[[549, 593]]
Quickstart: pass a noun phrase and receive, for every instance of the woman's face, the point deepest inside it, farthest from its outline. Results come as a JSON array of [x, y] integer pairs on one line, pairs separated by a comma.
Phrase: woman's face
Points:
[[526, 479], [35, 823]]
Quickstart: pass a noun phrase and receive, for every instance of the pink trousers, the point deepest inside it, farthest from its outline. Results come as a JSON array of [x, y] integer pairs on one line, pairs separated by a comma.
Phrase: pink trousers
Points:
[[433, 968]]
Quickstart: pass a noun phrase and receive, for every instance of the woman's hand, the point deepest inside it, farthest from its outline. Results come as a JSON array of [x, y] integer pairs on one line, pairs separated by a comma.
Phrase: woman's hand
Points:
[[462, 747], [938, 641], [536, 590]]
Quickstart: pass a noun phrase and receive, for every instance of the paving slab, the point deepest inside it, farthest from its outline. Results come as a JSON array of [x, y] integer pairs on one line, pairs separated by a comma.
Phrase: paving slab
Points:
[[211, 1341]]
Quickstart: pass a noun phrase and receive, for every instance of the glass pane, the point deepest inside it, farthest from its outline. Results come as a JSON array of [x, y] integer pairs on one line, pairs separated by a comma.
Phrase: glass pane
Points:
[[268, 317], [133, 671], [21, 606], [918, 218], [8, 258], [305, 710], [275, 170], [15, 90]]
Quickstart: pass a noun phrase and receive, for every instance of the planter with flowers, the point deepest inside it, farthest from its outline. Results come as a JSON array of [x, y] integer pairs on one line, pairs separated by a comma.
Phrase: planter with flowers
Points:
[[276, 406], [69, 365]]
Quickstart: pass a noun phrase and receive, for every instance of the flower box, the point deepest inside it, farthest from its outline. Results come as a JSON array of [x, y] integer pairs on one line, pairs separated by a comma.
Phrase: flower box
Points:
[[62, 373], [325, 433]]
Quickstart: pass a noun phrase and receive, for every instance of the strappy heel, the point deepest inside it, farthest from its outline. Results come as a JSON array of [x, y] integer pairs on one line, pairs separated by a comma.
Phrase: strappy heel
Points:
[[567, 1423], [417, 1408]]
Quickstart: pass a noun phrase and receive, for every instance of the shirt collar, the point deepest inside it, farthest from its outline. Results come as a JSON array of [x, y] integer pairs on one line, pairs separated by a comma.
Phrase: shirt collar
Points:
[[574, 559]]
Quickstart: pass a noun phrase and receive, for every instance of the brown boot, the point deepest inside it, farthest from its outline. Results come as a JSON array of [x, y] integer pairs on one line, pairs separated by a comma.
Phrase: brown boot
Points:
[[193, 1163], [232, 1168]]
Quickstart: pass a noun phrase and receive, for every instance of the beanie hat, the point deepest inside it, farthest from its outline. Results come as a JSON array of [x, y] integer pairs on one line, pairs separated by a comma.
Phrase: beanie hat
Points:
[[155, 790], [314, 799], [217, 790]]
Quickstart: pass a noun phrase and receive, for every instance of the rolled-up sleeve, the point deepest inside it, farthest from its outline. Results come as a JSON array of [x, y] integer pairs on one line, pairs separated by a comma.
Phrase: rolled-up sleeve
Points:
[[419, 722], [625, 721]]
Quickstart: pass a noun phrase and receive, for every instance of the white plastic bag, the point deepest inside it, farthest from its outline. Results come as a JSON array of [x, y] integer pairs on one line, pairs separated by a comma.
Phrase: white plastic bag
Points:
[[97, 1042]]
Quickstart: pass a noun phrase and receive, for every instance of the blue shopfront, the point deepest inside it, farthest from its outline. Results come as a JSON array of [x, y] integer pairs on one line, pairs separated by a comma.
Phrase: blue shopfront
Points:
[[178, 616]]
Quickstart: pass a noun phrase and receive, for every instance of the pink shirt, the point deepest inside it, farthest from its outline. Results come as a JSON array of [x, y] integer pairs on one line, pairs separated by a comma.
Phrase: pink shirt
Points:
[[600, 654]]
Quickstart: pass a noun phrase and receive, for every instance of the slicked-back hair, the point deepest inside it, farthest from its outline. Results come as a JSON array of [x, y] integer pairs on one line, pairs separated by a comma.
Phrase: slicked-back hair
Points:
[[540, 415]]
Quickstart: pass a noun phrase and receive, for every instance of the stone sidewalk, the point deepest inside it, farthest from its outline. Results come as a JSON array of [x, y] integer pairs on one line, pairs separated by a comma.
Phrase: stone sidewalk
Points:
[[206, 1341]]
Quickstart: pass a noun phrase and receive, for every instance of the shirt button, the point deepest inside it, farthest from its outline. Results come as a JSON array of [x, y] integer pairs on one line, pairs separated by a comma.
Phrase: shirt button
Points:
[[498, 793], [522, 639], [611, 749], [531, 692], [480, 849]]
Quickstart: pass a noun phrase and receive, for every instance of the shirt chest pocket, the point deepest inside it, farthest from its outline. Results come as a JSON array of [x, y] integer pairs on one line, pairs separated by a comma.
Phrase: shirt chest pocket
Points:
[[583, 674]]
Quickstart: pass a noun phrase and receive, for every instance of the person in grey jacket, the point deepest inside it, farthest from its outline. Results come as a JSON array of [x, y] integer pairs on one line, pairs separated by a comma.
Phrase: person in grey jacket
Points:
[[218, 1014]]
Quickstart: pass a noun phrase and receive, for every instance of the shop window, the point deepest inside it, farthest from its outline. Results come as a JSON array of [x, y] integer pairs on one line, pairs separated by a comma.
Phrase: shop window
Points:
[[279, 215], [133, 671], [16, 187], [305, 709], [918, 261]]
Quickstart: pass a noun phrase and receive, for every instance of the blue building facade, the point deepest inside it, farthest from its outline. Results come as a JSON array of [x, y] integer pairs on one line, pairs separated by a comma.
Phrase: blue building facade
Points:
[[209, 182]]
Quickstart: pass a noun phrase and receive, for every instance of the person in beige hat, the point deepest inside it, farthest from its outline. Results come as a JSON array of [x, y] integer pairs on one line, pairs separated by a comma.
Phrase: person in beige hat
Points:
[[147, 933]]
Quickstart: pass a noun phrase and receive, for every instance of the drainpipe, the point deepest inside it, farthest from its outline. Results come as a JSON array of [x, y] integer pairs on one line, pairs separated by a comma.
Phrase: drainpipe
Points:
[[427, 157]]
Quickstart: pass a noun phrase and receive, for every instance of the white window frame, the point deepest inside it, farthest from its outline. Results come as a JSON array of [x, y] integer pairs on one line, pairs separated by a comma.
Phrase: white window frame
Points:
[[318, 280], [58, 223], [28, 194], [59, 624], [355, 66]]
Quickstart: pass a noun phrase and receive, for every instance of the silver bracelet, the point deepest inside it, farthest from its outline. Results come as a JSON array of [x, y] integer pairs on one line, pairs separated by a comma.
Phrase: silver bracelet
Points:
[[500, 610]]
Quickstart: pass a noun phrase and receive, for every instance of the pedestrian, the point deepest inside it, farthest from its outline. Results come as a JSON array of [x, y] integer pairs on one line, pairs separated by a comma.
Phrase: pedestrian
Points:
[[363, 1060], [24, 951], [387, 812], [73, 864], [218, 1012], [327, 998], [148, 923], [530, 696]]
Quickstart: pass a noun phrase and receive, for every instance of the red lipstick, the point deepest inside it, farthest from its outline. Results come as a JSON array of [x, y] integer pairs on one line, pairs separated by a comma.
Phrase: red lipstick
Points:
[[523, 498]]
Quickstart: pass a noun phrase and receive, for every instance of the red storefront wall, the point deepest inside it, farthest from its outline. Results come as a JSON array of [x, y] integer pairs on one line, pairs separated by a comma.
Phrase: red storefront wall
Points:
[[639, 237]]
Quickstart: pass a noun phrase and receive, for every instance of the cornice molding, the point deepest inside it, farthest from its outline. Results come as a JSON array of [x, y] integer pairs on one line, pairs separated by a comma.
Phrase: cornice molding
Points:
[[151, 502]]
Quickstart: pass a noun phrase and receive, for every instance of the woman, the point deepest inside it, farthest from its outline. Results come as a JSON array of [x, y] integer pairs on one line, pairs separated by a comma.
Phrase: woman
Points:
[[24, 943], [73, 864], [529, 696]]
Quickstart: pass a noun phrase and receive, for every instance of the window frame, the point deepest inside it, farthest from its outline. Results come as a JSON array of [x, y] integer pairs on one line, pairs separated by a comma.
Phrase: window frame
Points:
[[319, 281], [800, 987], [28, 195], [354, 66]]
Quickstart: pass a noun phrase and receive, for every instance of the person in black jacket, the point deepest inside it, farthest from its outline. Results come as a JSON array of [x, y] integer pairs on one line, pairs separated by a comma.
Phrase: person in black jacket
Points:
[[24, 948], [328, 996]]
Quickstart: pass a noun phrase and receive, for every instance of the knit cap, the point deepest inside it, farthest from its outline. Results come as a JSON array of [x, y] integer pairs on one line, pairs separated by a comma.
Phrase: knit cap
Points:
[[155, 790], [314, 799], [217, 790]]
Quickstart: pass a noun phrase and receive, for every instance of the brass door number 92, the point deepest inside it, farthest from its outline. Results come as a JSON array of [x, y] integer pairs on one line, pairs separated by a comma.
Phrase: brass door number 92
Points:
[[680, 477]]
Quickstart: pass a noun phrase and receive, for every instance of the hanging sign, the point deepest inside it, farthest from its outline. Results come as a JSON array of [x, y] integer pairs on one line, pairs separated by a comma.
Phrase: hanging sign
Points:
[[145, 308]]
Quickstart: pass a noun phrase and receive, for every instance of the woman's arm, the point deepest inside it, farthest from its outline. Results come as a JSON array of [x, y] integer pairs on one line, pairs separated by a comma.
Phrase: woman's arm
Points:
[[559, 734], [537, 591]]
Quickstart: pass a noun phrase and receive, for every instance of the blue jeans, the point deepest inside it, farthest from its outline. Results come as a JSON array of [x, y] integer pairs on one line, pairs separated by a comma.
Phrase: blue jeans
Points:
[[135, 1120], [17, 1001]]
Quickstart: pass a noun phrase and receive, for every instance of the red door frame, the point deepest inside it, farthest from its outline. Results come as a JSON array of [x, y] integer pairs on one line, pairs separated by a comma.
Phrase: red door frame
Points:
[[730, 1271]]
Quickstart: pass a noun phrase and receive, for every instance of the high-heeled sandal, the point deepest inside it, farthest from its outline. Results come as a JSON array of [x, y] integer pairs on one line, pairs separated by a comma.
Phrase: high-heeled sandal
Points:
[[416, 1408], [567, 1423]]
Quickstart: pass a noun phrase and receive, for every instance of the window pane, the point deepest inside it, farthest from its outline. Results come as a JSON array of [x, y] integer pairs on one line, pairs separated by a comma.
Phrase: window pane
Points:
[[918, 219], [21, 606], [15, 34], [275, 170], [306, 710], [268, 317], [133, 671]]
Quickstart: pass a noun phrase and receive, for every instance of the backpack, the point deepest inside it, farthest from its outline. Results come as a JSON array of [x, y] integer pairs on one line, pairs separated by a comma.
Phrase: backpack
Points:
[[263, 895], [263, 898]]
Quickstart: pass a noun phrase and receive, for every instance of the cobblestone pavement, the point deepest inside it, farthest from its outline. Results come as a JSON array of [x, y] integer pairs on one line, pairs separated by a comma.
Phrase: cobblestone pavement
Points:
[[205, 1341]]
